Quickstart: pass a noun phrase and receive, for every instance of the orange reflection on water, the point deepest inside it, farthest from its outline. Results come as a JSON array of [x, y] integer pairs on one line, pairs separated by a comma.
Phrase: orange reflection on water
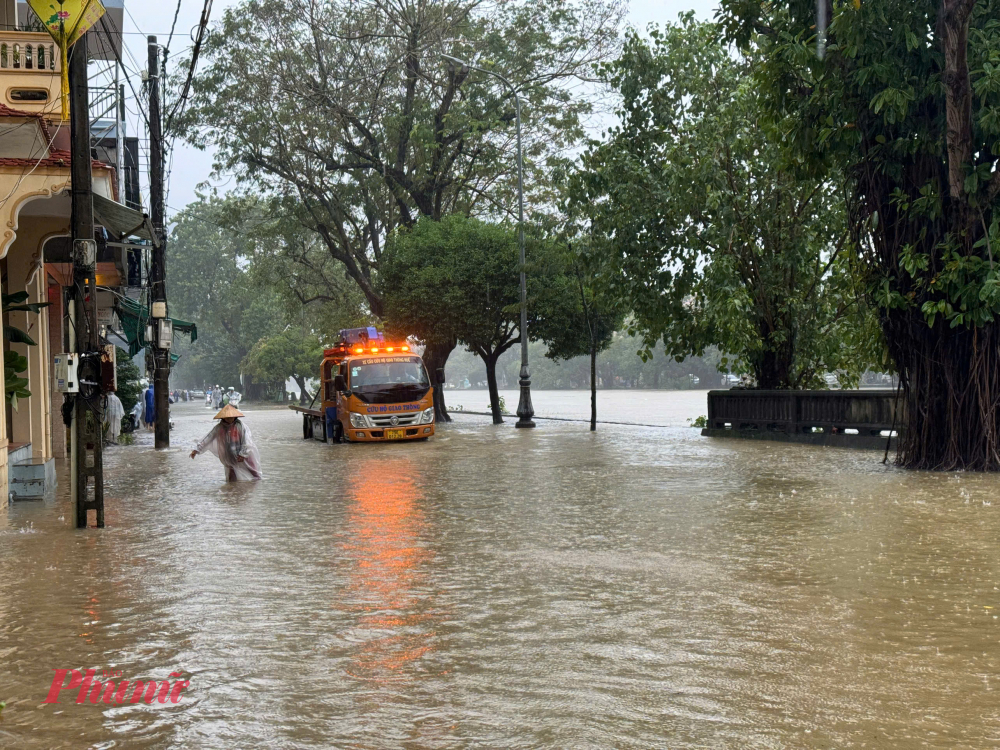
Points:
[[386, 589]]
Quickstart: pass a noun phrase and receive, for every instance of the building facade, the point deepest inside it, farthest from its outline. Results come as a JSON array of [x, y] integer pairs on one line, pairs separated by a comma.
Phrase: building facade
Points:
[[35, 212]]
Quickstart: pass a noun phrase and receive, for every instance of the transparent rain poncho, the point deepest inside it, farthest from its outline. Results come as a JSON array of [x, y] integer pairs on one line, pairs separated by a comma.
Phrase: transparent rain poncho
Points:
[[113, 417], [234, 446]]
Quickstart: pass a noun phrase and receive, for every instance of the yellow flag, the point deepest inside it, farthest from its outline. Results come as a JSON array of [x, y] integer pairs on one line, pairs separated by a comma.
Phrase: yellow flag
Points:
[[67, 21]]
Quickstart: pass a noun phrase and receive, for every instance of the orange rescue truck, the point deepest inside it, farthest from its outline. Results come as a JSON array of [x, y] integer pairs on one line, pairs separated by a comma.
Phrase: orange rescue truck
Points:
[[371, 391]]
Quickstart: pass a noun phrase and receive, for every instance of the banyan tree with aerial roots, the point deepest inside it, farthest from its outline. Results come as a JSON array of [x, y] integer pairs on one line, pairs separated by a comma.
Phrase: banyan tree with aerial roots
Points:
[[901, 102]]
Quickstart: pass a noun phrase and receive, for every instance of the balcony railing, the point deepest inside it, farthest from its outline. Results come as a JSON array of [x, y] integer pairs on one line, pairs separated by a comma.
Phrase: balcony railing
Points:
[[29, 52]]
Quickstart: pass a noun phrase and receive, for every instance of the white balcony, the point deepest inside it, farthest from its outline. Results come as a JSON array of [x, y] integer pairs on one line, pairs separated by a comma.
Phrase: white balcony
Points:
[[30, 70], [29, 52]]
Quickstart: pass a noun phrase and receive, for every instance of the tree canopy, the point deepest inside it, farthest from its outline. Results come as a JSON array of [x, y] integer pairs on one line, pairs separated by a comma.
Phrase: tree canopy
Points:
[[457, 281], [715, 236], [294, 353], [358, 126], [227, 274]]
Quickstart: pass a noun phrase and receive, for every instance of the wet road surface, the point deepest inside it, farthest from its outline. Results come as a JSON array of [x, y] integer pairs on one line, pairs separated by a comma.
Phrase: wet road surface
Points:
[[641, 587]]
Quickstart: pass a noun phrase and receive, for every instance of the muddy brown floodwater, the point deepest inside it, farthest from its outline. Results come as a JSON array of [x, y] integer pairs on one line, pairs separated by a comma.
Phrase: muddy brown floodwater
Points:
[[641, 587]]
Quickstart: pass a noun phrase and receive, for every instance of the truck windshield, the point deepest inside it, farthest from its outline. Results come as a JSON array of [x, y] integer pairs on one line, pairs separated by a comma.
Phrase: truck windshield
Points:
[[387, 380]]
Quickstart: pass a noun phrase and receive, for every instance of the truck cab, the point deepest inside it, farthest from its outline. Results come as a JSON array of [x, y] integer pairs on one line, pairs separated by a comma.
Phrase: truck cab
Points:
[[372, 391]]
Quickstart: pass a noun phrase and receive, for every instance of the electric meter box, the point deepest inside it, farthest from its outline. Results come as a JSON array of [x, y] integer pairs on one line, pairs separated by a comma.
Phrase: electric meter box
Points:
[[65, 366], [85, 252], [165, 329]]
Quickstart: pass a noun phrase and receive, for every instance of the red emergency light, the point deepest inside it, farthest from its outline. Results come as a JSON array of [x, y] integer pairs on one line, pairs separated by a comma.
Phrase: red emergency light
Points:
[[342, 349]]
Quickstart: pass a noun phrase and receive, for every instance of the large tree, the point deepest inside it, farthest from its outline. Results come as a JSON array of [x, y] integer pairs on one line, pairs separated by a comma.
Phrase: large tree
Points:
[[715, 235], [226, 276], [209, 285], [457, 279], [906, 102], [295, 353], [346, 112]]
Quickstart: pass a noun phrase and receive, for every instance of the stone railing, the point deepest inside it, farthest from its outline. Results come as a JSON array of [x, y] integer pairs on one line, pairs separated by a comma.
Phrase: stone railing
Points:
[[29, 52], [862, 418]]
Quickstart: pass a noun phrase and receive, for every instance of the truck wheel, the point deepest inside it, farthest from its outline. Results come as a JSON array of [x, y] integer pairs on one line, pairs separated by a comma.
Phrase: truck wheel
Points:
[[307, 432]]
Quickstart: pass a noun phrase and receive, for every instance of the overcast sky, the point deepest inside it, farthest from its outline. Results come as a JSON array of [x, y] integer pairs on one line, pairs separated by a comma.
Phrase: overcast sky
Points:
[[190, 166]]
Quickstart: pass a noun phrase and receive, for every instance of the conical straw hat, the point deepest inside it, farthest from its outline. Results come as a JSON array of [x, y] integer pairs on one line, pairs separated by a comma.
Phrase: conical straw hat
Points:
[[228, 411]]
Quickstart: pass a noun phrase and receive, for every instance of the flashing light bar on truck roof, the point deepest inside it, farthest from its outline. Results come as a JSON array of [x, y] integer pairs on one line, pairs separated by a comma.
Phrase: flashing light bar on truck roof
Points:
[[362, 340], [385, 349]]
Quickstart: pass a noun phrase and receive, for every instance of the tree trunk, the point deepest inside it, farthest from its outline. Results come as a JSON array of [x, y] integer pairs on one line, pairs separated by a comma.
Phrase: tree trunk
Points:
[[950, 378], [773, 366], [304, 396], [953, 28], [593, 387], [491, 382], [435, 358], [766, 373]]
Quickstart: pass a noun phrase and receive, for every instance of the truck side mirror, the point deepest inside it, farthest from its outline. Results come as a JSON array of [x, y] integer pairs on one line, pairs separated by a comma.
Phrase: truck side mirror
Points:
[[339, 383], [439, 376]]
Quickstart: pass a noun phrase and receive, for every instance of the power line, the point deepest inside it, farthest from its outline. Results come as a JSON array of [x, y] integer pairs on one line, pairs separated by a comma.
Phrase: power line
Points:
[[24, 175], [199, 40], [118, 57], [128, 51], [173, 26], [20, 27], [129, 13]]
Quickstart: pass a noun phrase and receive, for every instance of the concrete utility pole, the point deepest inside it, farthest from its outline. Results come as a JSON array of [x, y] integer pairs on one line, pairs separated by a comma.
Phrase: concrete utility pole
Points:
[[158, 272], [87, 460]]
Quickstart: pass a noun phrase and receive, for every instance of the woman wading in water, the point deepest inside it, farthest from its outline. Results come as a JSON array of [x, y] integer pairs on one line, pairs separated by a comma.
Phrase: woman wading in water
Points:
[[230, 440]]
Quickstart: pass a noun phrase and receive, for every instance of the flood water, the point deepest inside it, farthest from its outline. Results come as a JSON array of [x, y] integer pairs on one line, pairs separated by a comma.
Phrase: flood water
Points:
[[638, 587], [635, 406]]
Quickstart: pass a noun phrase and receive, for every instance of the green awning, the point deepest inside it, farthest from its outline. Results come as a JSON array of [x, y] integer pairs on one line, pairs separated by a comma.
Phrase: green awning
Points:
[[134, 318]]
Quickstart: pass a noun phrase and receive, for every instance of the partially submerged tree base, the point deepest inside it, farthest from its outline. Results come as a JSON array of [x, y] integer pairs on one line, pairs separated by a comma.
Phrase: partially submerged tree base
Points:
[[951, 391], [435, 357]]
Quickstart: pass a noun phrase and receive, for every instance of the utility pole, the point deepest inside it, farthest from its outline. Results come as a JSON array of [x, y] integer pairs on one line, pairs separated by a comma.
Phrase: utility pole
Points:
[[158, 274], [87, 459]]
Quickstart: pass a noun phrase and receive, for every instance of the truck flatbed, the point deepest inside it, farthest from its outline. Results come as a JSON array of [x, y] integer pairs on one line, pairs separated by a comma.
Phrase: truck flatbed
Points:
[[313, 424]]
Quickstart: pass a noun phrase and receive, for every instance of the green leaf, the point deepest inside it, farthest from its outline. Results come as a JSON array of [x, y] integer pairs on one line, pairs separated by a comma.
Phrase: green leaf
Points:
[[16, 336]]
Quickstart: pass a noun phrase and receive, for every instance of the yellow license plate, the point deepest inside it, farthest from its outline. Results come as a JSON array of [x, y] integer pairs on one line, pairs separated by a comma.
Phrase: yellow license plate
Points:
[[395, 434]]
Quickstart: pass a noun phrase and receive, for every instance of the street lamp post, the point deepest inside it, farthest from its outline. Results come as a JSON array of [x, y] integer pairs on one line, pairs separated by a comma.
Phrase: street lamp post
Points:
[[524, 409]]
